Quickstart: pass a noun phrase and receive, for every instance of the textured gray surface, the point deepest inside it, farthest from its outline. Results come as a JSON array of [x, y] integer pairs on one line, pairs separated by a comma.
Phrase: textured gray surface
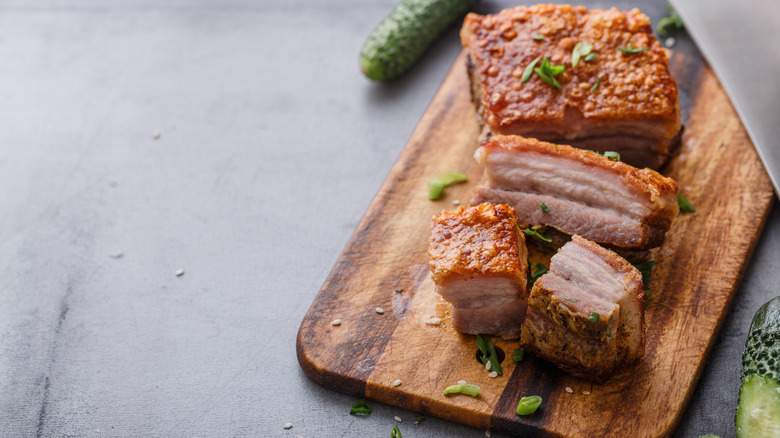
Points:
[[272, 146]]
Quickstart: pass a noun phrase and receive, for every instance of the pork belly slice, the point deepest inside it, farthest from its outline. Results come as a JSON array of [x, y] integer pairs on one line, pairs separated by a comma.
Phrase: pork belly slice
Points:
[[634, 110], [586, 315], [479, 263], [602, 200]]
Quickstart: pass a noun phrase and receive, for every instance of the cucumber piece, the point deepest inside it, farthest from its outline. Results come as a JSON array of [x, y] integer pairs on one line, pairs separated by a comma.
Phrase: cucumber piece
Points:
[[401, 38], [758, 411]]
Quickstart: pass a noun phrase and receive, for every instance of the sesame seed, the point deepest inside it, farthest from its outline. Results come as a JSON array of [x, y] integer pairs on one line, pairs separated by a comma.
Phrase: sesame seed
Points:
[[586, 392], [397, 382], [461, 382], [117, 255], [493, 374], [569, 390], [487, 365], [180, 272], [456, 202], [398, 419], [336, 322], [433, 321], [669, 42], [156, 135], [487, 433], [287, 425], [380, 310]]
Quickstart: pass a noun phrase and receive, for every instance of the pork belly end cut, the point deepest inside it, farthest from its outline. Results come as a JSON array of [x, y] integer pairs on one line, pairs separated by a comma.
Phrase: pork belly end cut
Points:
[[587, 194], [478, 262], [628, 101], [586, 315]]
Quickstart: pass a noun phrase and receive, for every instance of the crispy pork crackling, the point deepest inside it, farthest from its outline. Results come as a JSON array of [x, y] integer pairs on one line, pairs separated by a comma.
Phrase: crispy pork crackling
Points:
[[479, 263], [584, 193], [586, 315], [624, 102]]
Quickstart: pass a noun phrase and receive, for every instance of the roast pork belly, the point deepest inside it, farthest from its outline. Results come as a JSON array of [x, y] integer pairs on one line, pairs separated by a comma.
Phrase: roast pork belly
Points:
[[624, 102], [586, 315], [583, 192], [479, 263]]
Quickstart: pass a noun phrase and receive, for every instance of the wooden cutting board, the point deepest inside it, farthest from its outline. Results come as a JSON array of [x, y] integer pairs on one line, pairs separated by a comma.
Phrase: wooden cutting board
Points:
[[385, 264]]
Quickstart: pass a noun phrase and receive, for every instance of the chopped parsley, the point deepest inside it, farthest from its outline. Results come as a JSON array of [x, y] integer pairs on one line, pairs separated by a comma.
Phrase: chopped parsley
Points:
[[518, 355], [684, 204], [544, 208], [580, 50], [631, 50], [361, 407], [536, 234], [594, 317], [488, 353]]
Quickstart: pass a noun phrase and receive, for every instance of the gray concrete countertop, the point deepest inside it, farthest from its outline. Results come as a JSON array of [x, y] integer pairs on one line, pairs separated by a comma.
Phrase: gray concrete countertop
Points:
[[238, 141]]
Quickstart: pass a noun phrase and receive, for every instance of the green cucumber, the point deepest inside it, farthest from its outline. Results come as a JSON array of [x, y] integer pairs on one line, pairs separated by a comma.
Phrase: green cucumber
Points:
[[758, 411], [401, 38]]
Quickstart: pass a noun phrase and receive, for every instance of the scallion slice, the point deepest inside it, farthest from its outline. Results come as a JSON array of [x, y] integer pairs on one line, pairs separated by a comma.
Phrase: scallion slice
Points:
[[580, 50], [488, 353], [518, 355], [436, 187], [529, 70], [631, 49], [528, 405], [536, 234], [468, 389], [361, 407], [594, 317], [544, 208], [612, 155], [684, 204]]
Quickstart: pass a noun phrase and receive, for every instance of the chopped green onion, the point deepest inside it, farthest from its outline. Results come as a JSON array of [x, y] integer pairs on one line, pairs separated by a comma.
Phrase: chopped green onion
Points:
[[436, 187], [360, 407], [395, 433], [580, 49], [609, 335], [612, 155], [537, 270], [538, 37], [594, 317], [528, 405], [646, 269], [596, 87], [672, 21], [468, 389], [684, 204], [529, 69], [569, 299], [518, 354], [419, 420], [544, 208], [591, 57], [488, 353], [538, 235], [630, 49], [545, 71]]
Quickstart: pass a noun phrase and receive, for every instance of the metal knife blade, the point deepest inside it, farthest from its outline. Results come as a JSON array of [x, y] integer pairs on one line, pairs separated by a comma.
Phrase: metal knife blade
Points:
[[741, 41]]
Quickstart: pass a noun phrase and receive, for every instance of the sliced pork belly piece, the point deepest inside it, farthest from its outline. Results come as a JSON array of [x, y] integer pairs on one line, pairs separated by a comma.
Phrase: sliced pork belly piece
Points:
[[625, 102], [606, 201], [479, 263], [586, 315]]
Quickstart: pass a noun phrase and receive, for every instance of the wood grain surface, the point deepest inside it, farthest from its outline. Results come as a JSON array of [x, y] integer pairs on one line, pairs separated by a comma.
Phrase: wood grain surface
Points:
[[385, 264]]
